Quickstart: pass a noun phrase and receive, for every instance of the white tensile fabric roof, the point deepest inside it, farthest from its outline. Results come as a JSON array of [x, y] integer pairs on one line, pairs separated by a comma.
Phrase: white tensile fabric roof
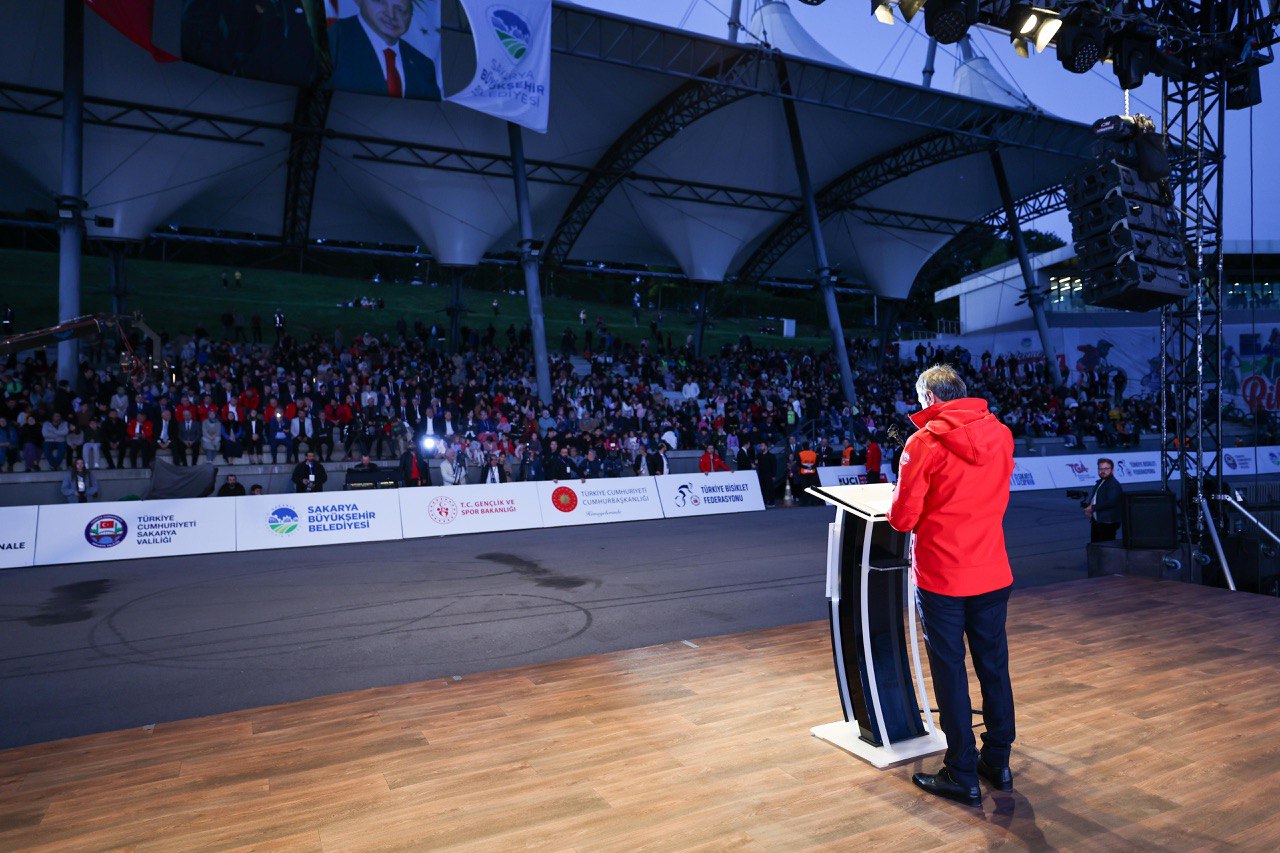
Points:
[[609, 73]]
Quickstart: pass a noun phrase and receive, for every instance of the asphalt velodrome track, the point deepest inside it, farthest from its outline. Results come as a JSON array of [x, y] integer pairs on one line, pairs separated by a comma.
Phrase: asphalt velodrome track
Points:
[[103, 646]]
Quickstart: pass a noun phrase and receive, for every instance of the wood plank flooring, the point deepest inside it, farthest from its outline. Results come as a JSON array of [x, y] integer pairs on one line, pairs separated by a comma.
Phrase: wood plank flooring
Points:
[[1149, 718]]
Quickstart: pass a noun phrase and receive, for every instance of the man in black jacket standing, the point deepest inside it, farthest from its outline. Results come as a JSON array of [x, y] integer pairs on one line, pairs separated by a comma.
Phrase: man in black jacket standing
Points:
[[309, 475], [767, 471], [1103, 504]]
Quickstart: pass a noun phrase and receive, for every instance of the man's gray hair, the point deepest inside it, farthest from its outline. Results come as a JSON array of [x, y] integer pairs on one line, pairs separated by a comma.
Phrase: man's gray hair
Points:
[[943, 381]]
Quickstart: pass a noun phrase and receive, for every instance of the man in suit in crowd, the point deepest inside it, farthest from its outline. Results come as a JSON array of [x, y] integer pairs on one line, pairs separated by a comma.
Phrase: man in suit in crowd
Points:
[[188, 444], [1103, 504], [495, 472], [309, 475], [767, 472], [370, 55], [562, 467]]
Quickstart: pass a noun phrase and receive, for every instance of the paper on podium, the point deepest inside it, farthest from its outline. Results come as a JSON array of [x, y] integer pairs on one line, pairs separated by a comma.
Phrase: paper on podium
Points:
[[871, 500]]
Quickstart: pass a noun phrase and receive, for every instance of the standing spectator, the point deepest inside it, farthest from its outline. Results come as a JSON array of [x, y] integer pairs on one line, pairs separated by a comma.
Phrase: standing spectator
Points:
[[113, 439], [31, 437], [413, 469], [187, 447], [79, 486], [873, 460], [309, 475], [9, 449], [138, 439], [231, 488], [495, 472], [1102, 507], [767, 473], [562, 467], [710, 461], [239, 279], [279, 324], [54, 433]]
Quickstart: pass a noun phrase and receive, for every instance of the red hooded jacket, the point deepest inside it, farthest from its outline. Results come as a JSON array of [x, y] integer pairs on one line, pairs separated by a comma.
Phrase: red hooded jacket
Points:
[[953, 489]]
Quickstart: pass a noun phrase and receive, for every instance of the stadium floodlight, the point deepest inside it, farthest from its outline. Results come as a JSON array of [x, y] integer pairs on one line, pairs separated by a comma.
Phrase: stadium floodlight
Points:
[[883, 12], [949, 20]]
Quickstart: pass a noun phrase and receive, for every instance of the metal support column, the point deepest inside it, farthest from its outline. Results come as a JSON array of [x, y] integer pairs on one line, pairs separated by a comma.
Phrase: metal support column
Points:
[[455, 308], [1035, 299], [927, 75], [826, 277], [529, 262], [735, 20], [70, 203], [119, 283]]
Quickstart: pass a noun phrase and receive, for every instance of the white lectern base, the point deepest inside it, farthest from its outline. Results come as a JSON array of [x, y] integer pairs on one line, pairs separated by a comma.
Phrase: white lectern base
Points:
[[845, 736]]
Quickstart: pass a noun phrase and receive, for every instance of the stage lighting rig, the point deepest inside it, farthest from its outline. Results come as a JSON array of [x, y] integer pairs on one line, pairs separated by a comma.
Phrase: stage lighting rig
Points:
[[1031, 25], [948, 21]]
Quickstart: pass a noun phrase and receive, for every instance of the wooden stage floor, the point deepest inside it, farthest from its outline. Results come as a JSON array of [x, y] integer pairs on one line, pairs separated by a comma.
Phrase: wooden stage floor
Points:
[[1149, 718]]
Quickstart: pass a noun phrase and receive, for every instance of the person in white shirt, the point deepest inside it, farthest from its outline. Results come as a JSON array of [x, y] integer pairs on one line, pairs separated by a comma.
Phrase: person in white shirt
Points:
[[452, 472], [691, 390]]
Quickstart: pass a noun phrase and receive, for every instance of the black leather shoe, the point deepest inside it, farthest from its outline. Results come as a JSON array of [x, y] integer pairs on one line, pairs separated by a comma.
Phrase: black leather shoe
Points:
[[1001, 778], [943, 784]]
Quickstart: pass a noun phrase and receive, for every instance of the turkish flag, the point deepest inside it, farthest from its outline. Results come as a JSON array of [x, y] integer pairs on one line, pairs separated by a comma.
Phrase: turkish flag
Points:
[[134, 19]]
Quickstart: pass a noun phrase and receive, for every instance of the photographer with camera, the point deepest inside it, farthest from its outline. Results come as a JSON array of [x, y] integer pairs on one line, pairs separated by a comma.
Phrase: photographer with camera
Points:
[[1102, 506]]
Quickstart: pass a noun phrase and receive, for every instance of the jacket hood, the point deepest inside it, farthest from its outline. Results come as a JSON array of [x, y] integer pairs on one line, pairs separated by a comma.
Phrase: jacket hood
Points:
[[962, 426]]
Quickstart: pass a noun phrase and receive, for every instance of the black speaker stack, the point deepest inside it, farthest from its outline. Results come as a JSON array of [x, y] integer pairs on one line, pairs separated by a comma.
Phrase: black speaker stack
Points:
[[1128, 235]]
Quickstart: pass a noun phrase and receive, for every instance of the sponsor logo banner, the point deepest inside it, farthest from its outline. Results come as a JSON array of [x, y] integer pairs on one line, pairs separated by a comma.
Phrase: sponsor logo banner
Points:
[[1028, 474], [709, 494], [568, 502], [469, 509], [852, 475], [125, 530], [18, 536], [325, 518]]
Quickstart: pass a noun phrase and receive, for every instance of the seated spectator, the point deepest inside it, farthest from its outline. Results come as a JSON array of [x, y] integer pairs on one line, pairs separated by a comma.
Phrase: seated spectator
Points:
[[54, 434], [231, 488], [79, 486]]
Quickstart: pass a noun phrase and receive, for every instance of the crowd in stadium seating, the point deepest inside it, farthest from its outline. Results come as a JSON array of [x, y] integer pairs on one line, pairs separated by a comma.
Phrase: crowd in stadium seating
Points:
[[241, 402]]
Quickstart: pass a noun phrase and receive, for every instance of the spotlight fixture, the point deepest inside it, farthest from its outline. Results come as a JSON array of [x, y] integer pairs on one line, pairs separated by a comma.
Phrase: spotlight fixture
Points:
[[949, 20], [1029, 24], [883, 9], [1134, 54], [1081, 42]]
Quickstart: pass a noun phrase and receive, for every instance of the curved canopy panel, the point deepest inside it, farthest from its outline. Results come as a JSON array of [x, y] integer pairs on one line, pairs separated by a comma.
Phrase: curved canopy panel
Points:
[[774, 23], [977, 78], [663, 147]]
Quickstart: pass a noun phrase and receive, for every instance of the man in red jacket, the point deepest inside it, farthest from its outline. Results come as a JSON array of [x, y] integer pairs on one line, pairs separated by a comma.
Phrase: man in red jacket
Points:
[[953, 488]]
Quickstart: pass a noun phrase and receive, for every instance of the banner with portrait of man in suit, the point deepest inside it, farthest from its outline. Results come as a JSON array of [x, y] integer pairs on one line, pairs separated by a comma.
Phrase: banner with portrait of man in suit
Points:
[[385, 47], [279, 41]]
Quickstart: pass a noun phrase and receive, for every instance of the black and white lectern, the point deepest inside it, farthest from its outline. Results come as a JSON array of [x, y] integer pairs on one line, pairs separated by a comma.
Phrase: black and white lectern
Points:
[[887, 719]]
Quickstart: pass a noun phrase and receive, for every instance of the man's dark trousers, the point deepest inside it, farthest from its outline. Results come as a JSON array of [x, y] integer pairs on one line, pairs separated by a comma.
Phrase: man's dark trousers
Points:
[[947, 621], [1102, 532]]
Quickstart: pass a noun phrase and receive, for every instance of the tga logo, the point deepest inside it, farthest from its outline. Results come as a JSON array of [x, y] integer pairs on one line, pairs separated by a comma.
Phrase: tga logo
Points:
[[442, 510], [106, 531], [564, 499], [685, 496], [283, 520], [512, 30]]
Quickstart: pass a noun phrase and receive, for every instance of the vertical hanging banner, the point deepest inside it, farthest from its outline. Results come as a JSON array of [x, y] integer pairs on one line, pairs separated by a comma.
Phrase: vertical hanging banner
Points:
[[513, 61], [279, 41], [133, 18], [385, 47]]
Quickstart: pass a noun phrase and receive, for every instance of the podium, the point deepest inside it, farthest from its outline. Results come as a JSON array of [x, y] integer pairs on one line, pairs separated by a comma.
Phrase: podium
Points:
[[887, 719]]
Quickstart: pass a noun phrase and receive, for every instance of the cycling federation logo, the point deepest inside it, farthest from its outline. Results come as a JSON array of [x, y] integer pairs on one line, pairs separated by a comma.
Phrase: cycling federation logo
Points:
[[686, 497], [283, 520], [1230, 460], [106, 531], [512, 30], [442, 510], [564, 499]]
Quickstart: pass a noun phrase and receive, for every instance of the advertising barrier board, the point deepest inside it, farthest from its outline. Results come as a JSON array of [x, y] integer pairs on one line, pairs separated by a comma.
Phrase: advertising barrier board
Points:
[[1029, 474], [852, 475], [18, 536], [568, 502], [469, 509], [709, 494], [323, 518], [127, 530]]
